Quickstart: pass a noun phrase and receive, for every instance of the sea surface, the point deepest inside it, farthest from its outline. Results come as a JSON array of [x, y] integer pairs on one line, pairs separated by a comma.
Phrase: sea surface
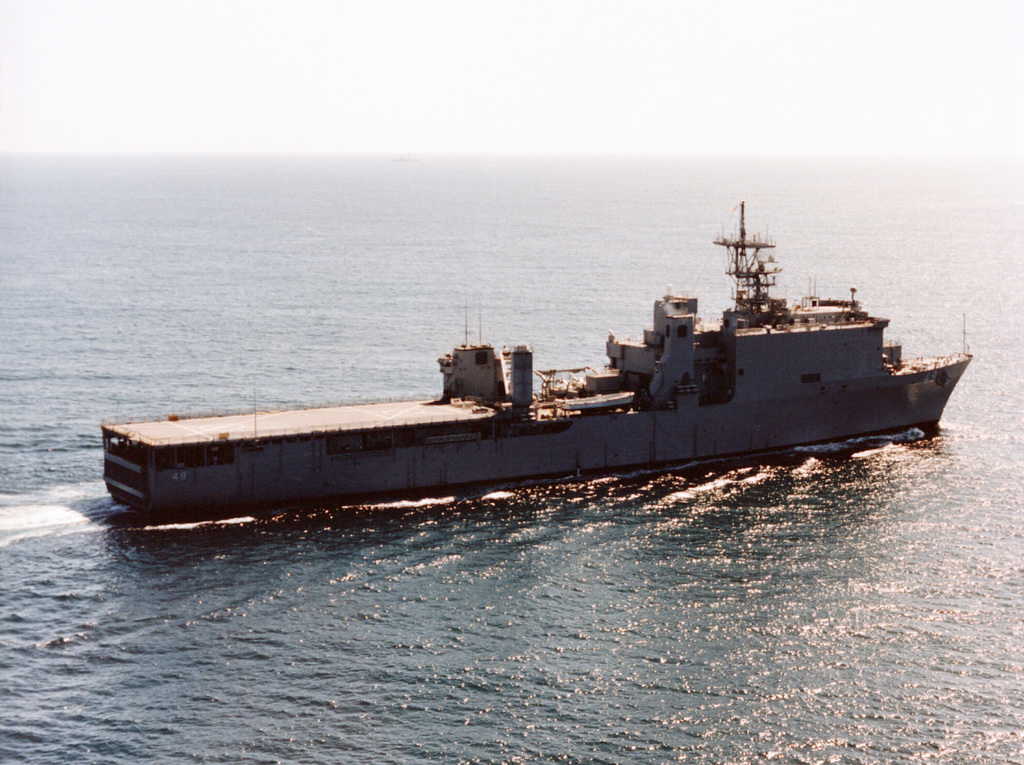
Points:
[[809, 608]]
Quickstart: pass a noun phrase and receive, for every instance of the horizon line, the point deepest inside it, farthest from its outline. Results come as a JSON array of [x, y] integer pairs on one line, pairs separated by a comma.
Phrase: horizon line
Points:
[[414, 155]]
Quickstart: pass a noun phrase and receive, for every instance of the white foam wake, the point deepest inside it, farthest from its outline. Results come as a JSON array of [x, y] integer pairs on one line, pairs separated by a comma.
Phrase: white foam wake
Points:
[[46, 511], [425, 502], [197, 524], [868, 442]]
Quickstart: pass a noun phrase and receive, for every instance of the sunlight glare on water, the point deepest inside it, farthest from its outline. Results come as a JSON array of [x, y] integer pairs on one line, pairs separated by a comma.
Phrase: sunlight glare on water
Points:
[[851, 603]]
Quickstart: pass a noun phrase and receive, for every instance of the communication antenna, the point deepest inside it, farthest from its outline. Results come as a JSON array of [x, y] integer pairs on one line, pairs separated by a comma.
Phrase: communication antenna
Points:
[[254, 406], [753, 272], [465, 337]]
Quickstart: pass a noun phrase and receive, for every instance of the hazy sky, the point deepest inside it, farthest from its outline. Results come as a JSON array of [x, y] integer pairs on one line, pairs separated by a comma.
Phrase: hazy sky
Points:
[[397, 76]]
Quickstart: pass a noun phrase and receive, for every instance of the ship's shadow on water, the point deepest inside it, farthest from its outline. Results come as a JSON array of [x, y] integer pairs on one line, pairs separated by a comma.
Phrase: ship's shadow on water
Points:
[[836, 486]]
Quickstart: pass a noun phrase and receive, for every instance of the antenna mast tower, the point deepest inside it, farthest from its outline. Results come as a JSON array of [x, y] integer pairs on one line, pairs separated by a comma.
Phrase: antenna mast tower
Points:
[[754, 273]]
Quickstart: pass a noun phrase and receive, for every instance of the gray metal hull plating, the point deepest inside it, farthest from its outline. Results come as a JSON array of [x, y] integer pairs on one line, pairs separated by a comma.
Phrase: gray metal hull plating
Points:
[[300, 471]]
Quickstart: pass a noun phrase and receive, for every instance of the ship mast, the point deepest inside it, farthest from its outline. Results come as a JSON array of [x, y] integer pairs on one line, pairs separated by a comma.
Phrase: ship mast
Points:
[[754, 273]]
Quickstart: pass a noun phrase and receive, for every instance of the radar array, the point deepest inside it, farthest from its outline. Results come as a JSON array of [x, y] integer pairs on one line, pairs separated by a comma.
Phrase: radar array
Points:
[[753, 272]]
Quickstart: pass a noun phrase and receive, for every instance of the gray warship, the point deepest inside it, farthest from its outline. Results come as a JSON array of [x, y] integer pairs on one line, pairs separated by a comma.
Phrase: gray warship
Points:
[[768, 376]]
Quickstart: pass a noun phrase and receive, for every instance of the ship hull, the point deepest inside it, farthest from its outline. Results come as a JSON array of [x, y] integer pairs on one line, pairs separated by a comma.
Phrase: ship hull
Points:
[[301, 471]]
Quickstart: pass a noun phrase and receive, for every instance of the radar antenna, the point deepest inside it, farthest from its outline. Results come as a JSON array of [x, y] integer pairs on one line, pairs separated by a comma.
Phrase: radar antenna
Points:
[[754, 273]]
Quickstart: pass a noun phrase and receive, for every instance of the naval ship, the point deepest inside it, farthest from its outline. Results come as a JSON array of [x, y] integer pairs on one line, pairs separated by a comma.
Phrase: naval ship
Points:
[[767, 376]]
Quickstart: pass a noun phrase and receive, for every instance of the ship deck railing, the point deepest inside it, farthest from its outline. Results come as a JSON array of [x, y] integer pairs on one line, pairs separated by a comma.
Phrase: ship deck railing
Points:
[[260, 431], [811, 326], [204, 414], [926, 364]]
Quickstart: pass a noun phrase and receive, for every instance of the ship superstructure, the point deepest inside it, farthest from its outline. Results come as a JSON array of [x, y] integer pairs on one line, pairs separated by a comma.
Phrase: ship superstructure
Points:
[[766, 376]]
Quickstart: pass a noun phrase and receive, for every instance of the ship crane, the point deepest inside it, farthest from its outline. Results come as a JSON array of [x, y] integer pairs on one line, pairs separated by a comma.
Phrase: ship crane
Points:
[[753, 272]]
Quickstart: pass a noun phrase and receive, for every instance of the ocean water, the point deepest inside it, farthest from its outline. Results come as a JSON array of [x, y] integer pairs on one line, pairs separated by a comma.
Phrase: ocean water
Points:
[[804, 609]]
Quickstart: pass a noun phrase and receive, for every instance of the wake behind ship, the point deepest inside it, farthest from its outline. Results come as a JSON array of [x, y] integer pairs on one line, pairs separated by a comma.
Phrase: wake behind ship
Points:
[[767, 376]]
